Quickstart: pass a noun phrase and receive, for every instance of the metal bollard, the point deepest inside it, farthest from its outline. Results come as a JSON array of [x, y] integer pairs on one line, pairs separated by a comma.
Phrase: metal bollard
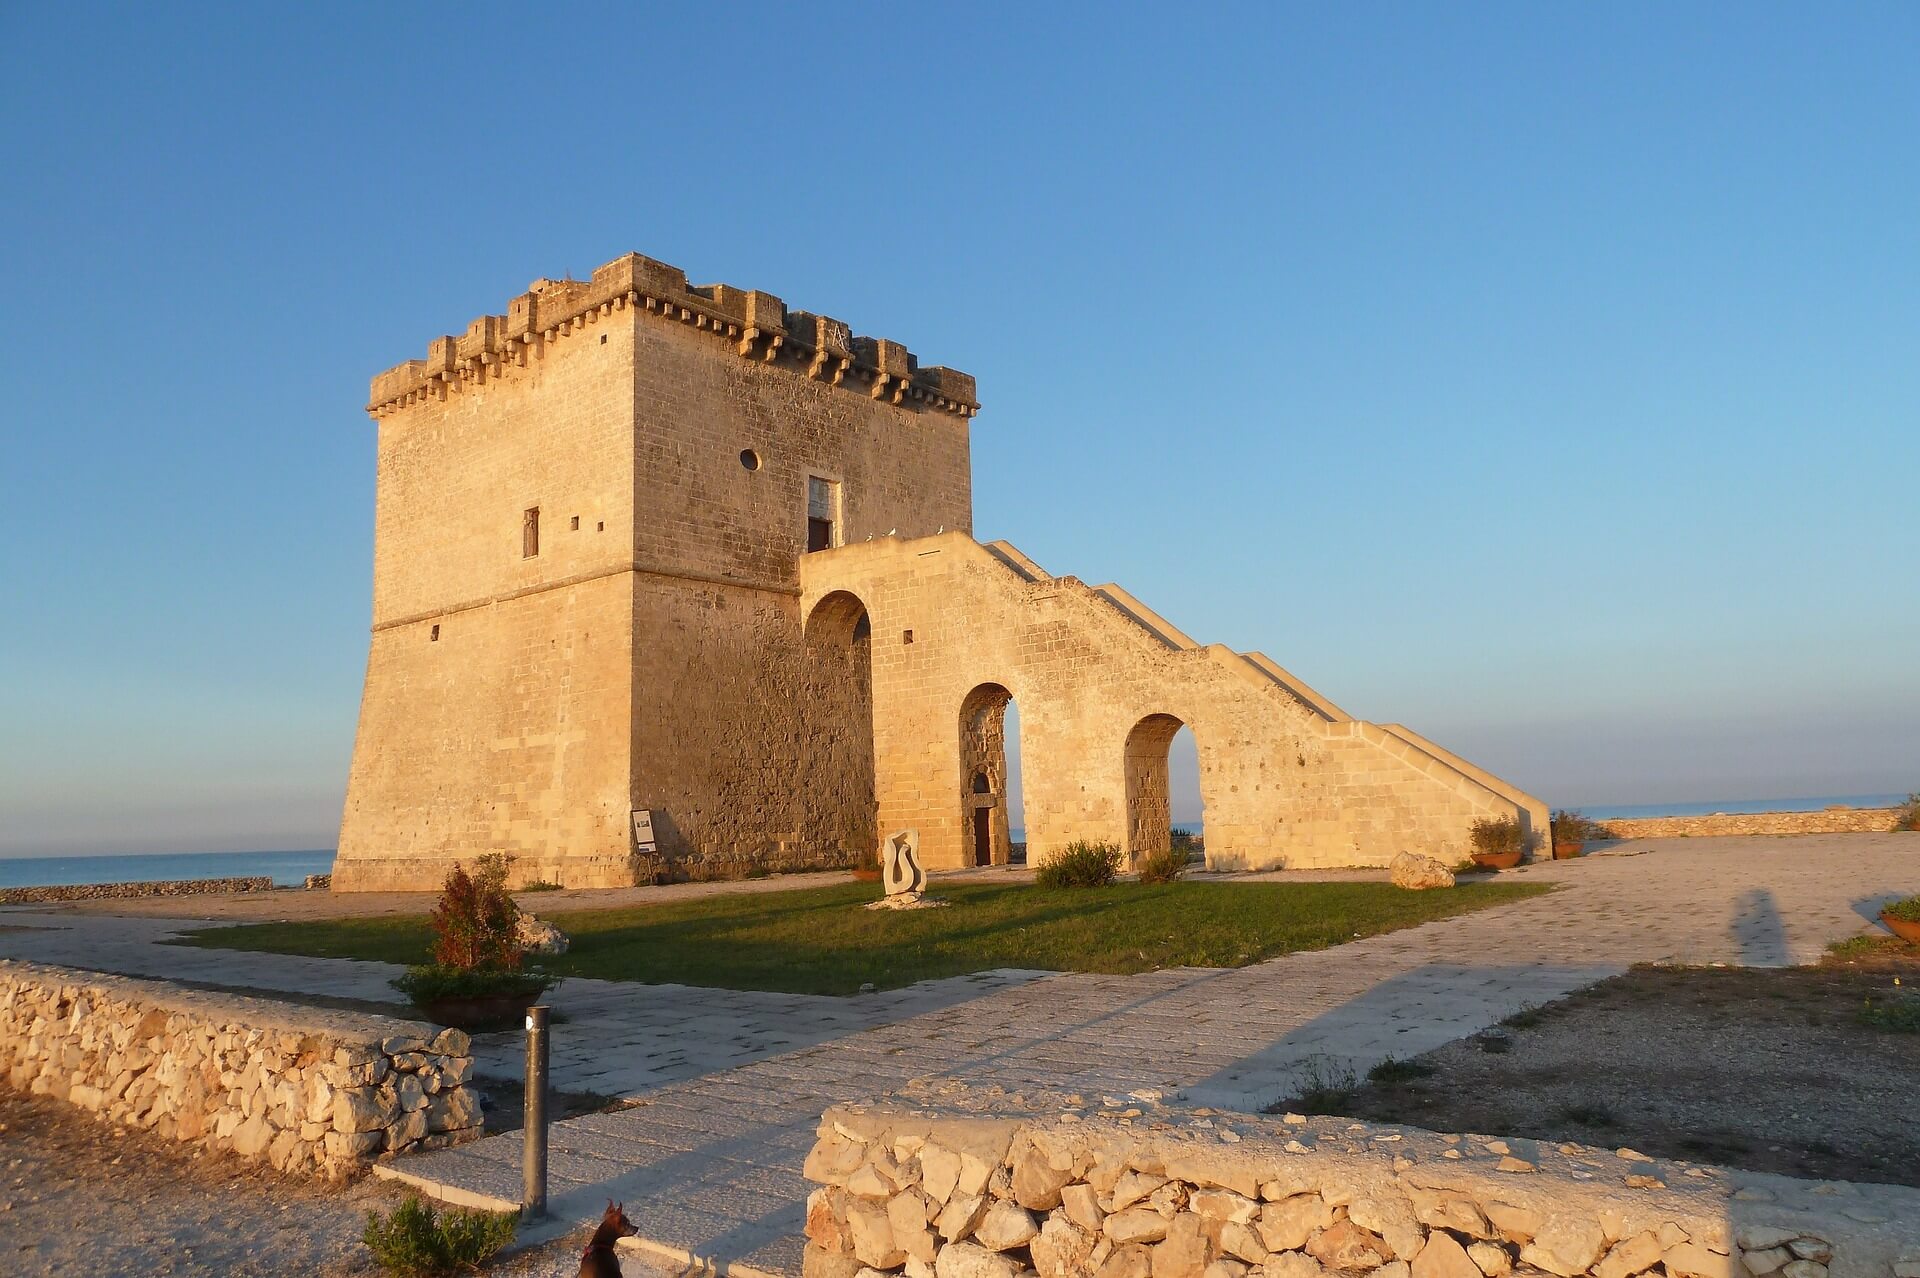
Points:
[[533, 1191]]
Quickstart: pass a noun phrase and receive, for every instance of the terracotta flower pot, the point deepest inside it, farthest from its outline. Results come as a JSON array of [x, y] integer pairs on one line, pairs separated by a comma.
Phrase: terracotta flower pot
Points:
[[1566, 851], [1497, 860], [866, 876], [1906, 929]]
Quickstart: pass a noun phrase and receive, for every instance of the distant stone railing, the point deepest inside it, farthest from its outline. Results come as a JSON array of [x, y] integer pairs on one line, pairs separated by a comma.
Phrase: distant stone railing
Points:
[[1827, 821], [116, 891], [1133, 1193], [305, 1089]]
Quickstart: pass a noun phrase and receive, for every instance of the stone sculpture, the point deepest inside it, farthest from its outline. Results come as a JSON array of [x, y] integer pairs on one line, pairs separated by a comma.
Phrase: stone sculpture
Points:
[[900, 864]]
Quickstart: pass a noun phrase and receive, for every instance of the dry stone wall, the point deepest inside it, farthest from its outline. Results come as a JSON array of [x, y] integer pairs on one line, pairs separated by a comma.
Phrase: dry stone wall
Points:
[[1827, 821], [306, 1090], [117, 891], [1209, 1195]]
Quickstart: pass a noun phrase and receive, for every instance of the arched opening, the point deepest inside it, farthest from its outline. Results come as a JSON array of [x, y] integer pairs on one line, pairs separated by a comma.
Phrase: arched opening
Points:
[[1151, 815], [1189, 811], [837, 791], [989, 818]]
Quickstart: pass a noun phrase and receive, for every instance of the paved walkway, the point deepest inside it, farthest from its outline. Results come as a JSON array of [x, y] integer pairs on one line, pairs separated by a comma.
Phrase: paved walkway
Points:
[[713, 1151]]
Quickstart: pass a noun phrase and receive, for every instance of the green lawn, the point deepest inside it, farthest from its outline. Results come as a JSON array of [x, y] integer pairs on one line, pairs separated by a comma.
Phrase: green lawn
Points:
[[815, 940]]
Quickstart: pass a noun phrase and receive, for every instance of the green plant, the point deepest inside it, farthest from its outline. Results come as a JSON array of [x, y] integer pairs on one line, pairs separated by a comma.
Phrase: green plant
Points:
[[429, 982], [1897, 1015], [1326, 1086], [475, 922], [1081, 864], [1391, 1071], [1164, 866], [1497, 836], [1571, 827], [540, 885], [415, 1241], [1907, 815], [1908, 909]]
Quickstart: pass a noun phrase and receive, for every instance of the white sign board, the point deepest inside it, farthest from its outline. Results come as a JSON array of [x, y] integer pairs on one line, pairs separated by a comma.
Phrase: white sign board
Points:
[[643, 830]]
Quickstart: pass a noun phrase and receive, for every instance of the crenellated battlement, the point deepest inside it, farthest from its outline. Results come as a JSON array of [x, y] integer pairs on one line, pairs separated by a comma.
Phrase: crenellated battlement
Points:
[[758, 325]]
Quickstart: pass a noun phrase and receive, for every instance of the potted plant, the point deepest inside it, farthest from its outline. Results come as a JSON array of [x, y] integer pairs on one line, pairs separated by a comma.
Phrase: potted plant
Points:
[[476, 980], [866, 865], [1498, 845], [1903, 919], [1572, 832]]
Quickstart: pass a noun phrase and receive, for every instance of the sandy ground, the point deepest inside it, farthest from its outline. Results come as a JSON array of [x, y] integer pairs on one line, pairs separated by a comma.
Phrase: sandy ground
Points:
[[79, 1196], [1768, 1069]]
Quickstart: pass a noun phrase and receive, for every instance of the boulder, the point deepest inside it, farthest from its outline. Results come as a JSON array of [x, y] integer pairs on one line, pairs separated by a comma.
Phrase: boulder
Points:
[[537, 936], [1412, 870]]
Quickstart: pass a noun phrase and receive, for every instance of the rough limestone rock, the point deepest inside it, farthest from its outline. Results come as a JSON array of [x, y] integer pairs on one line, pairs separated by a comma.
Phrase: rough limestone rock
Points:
[[1411, 870], [1006, 1226], [537, 936]]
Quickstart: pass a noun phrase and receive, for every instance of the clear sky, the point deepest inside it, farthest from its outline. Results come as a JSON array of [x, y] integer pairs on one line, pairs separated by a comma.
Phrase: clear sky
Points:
[[1544, 377]]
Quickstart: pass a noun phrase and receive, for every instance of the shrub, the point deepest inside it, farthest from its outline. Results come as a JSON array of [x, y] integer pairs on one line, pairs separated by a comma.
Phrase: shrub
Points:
[[1907, 815], [1502, 835], [415, 1241], [1571, 827], [1164, 866], [1897, 1015], [1908, 909], [424, 984], [539, 885], [474, 923], [1081, 864]]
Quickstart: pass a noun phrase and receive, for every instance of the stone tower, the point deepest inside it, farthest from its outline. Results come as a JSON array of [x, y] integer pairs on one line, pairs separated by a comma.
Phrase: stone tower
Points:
[[590, 517]]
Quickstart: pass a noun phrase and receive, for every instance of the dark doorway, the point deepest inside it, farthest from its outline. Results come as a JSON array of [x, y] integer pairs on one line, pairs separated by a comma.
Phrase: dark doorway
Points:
[[983, 836]]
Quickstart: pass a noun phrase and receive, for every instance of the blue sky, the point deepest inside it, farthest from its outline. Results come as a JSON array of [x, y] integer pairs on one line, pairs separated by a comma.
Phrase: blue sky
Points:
[[1542, 377]]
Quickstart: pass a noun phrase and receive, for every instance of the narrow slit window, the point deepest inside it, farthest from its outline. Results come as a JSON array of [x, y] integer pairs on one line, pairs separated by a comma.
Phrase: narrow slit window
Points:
[[530, 533], [576, 523]]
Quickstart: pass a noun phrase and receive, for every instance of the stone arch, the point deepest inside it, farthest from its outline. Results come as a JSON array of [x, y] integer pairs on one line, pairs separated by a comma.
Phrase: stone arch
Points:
[[1149, 803], [985, 834], [837, 790]]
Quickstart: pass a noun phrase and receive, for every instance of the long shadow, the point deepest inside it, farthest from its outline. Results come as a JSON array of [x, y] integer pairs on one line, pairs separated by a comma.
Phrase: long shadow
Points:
[[1758, 931]]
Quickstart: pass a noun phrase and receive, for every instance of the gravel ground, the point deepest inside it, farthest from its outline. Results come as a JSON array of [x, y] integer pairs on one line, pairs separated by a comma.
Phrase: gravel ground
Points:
[[79, 1196], [1768, 1069]]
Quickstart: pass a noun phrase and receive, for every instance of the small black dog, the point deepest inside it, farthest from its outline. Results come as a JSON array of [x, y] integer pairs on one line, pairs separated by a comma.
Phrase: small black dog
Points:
[[599, 1259]]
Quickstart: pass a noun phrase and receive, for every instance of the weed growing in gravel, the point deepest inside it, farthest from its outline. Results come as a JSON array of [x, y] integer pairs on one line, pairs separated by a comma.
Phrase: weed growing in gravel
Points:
[[1897, 1015], [1527, 1017], [415, 1241], [1588, 1115], [1391, 1071], [1326, 1086]]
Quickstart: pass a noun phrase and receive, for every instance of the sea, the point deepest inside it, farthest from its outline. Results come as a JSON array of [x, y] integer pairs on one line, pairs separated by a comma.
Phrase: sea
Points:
[[286, 869]]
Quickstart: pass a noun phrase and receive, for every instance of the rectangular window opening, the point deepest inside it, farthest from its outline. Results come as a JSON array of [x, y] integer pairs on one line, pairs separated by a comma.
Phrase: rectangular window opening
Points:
[[530, 533], [433, 636], [823, 513], [906, 636], [576, 523]]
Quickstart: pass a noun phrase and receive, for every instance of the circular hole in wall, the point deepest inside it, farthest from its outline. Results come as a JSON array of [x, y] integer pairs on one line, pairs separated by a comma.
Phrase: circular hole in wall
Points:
[[749, 459]]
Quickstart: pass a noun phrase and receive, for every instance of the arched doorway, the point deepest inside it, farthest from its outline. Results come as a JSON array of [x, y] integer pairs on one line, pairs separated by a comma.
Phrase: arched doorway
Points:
[[986, 832], [837, 786], [1150, 815]]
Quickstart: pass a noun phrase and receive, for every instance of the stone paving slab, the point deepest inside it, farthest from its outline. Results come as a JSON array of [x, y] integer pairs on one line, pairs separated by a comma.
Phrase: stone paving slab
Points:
[[1235, 1039]]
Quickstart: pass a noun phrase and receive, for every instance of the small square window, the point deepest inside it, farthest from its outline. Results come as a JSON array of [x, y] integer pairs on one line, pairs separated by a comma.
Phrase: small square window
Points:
[[601, 526], [906, 636]]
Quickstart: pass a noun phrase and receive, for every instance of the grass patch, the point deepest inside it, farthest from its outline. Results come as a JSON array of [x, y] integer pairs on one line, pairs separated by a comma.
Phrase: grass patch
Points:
[[1899, 1014], [815, 940], [1326, 1086]]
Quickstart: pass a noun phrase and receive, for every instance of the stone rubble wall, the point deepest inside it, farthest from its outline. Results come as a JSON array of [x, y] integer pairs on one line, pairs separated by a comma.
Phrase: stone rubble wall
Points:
[[1213, 1195], [116, 891], [1829, 821], [307, 1090]]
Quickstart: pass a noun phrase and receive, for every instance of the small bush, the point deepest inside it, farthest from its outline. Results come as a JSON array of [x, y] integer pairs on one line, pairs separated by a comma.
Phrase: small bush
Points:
[[415, 1241], [1571, 827], [1164, 866], [1494, 836], [431, 981], [1326, 1087], [1908, 909], [475, 922], [540, 885], [1079, 865], [1907, 815], [1898, 1015]]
